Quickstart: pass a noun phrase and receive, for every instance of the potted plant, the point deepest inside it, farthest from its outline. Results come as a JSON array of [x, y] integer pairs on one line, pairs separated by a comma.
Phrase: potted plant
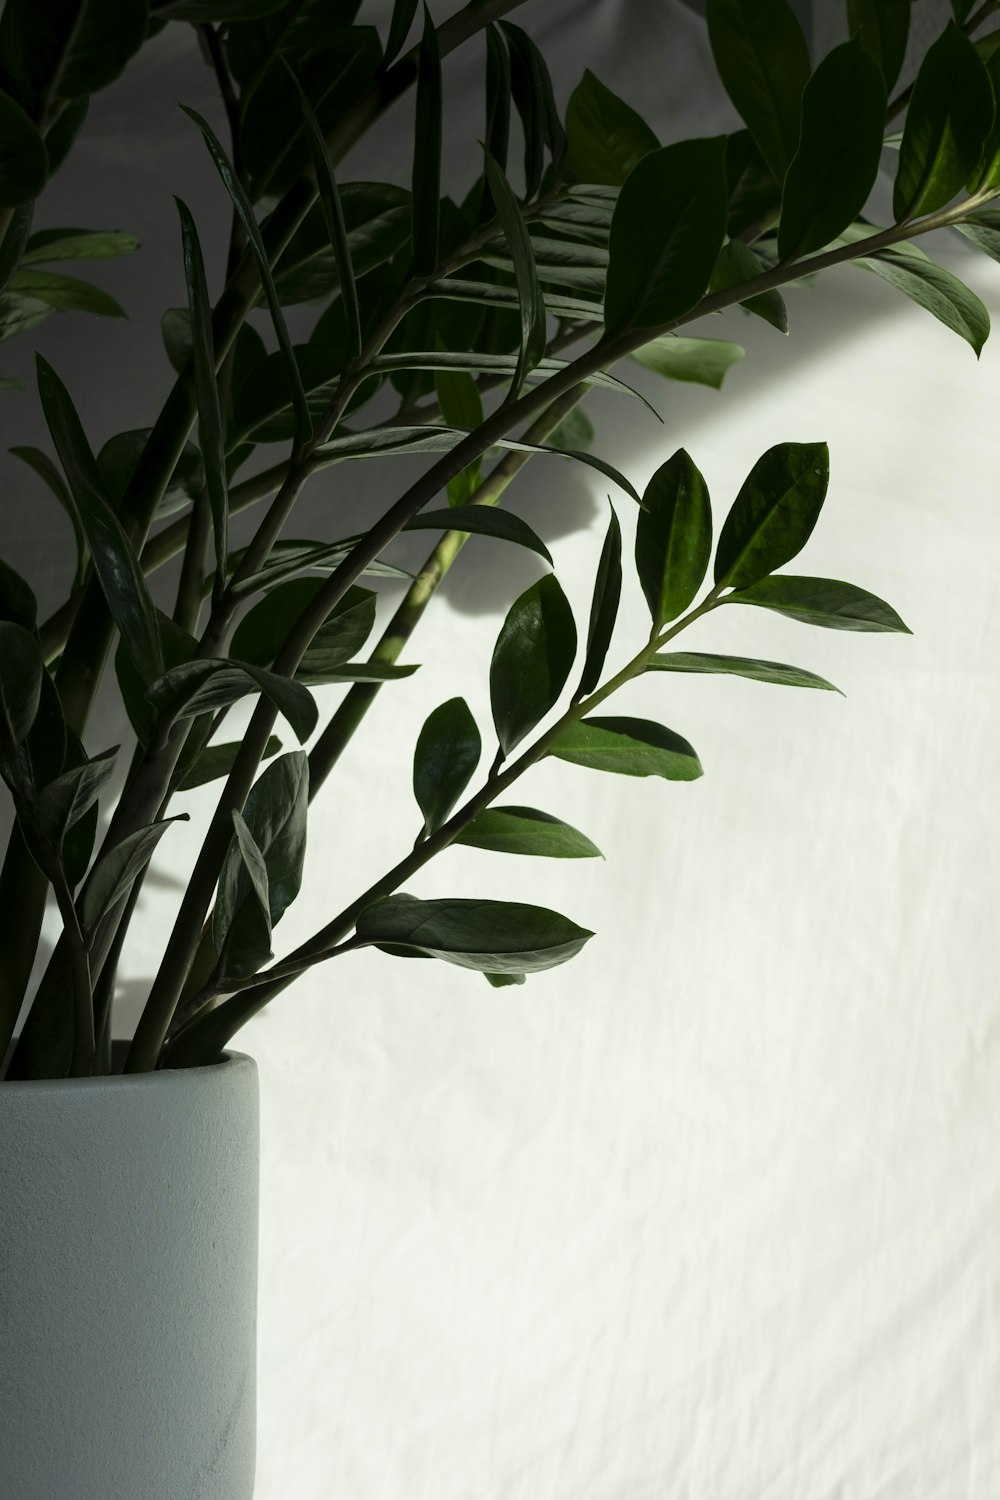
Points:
[[469, 332]]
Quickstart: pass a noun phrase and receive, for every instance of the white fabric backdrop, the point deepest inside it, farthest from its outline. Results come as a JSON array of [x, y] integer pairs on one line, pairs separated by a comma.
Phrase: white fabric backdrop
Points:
[[710, 1212]]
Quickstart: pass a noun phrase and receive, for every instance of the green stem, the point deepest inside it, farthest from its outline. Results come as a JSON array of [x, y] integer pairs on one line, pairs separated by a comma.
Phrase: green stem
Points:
[[83, 996]]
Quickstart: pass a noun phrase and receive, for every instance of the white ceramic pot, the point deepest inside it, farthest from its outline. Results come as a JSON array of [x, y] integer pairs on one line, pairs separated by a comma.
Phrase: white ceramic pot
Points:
[[128, 1285]]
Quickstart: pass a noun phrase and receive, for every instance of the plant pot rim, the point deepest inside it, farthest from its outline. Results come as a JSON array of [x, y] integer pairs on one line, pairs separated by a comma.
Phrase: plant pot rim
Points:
[[229, 1062]]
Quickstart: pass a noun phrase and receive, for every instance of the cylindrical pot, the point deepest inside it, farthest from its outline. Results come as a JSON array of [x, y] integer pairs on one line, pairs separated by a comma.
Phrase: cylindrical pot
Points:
[[128, 1285]]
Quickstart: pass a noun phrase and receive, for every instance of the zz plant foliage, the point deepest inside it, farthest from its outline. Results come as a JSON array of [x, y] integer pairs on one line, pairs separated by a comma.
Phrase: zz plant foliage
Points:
[[467, 331]]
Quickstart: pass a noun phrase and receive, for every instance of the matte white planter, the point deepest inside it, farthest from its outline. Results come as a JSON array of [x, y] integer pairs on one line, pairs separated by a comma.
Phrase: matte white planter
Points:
[[128, 1286]]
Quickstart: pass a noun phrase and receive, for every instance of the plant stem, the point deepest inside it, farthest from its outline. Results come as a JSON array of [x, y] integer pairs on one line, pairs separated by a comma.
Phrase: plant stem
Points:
[[83, 997]]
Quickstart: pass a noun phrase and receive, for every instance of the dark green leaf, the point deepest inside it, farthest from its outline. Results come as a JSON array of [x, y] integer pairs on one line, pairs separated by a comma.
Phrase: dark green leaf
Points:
[[68, 797], [377, 221], [444, 760], [574, 431], [737, 666], [529, 292], [263, 631], [532, 659], [774, 513], [403, 12], [196, 687], [63, 49], [673, 540], [987, 173], [950, 115], [77, 244], [985, 237], [117, 461], [17, 599], [245, 891], [210, 429], [883, 27], [65, 293], [244, 210], [501, 981], [498, 96], [217, 761], [605, 137], [666, 234], [47, 471], [427, 132], [21, 672], [909, 270], [754, 192], [701, 361], [736, 264], [630, 747], [457, 289], [835, 166], [24, 164], [961, 9], [64, 131], [115, 871], [222, 11], [292, 556], [820, 601], [14, 241], [604, 605], [763, 62], [498, 937], [523, 830], [496, 364], [178, 647], [481, 520], [115, 562], [533, 96]]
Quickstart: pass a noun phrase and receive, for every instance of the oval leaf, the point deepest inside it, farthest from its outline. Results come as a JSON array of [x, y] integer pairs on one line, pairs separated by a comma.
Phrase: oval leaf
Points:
[[532, 659], [763, 61], [737, 264], [116, 870], [605, 137], [482, 520], [21, 672], [603, 606], [445, 759], [821, 601], [497, 937], [774, 513], [524, 830], [949, 117], [701, 361], [628, 747], [883, 27], [673, 539]]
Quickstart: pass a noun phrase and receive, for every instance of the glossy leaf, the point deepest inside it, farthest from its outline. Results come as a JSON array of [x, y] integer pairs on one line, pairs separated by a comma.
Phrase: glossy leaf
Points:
[[834, 169], [754, 191], [930, 286], [883, 28], [116, 870], [68, 797], [64, 49], [532, 659], [244, 210], [444, 760], [524, 830], [178, 646], [217, 761], [377, 224], [196, 687], [950, 115], [458, 289], [292, 556], [603, 606], [499, 937], [821, 601], [736, 264], [495, 364], [115, 561], [24, 164], [242, 951], [501, 981], [666, 234], [763, 61], [605, 137], [427, 134], [403, 12], [117, 462], [261, 634], [737, 666], [774, 513], [533, 97], [701, 361], [482, 520], [673, 539], [628, 747], [211, 435], [21, 672], [49, 245], [529, 291]]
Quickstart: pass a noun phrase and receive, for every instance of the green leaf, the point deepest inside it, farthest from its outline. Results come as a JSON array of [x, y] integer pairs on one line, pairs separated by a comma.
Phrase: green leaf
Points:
[[64, 131], [65, 293], [18, 314], [222, 11], [673, 540], [529, 291], [24, 165], [65, 800], [604, 606], [737, 666], [498, 97], [50, 475], [523, 830], [115, 563], [737, 263], [77, 244], [821, 601], [666, 234], [262, 633], [754, 192], [460, 405], [115, 871], [987, 173], [883, 27], [629, 747], [211, 436], [292, 556], [763, 61], [244, 210], [930, 286], [482, 520], [532, 659], [17, 599], [444, 760], [835, 166], [950, 115], [117, 462], [605, 137], [21, 672], [178, 646], [456, 289], [403, 12], [377, 221], [217, 761], [533, 97], [497, 937], [64, 49], [985, 237], [196, 687], [501, 981], [774, 513], [427, 133], [262, 874], [701, 361], [14, 240], [333, 215], [574, 431]]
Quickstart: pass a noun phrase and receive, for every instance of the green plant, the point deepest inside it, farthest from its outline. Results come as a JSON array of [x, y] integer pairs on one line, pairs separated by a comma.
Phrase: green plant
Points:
[[607, 242]]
